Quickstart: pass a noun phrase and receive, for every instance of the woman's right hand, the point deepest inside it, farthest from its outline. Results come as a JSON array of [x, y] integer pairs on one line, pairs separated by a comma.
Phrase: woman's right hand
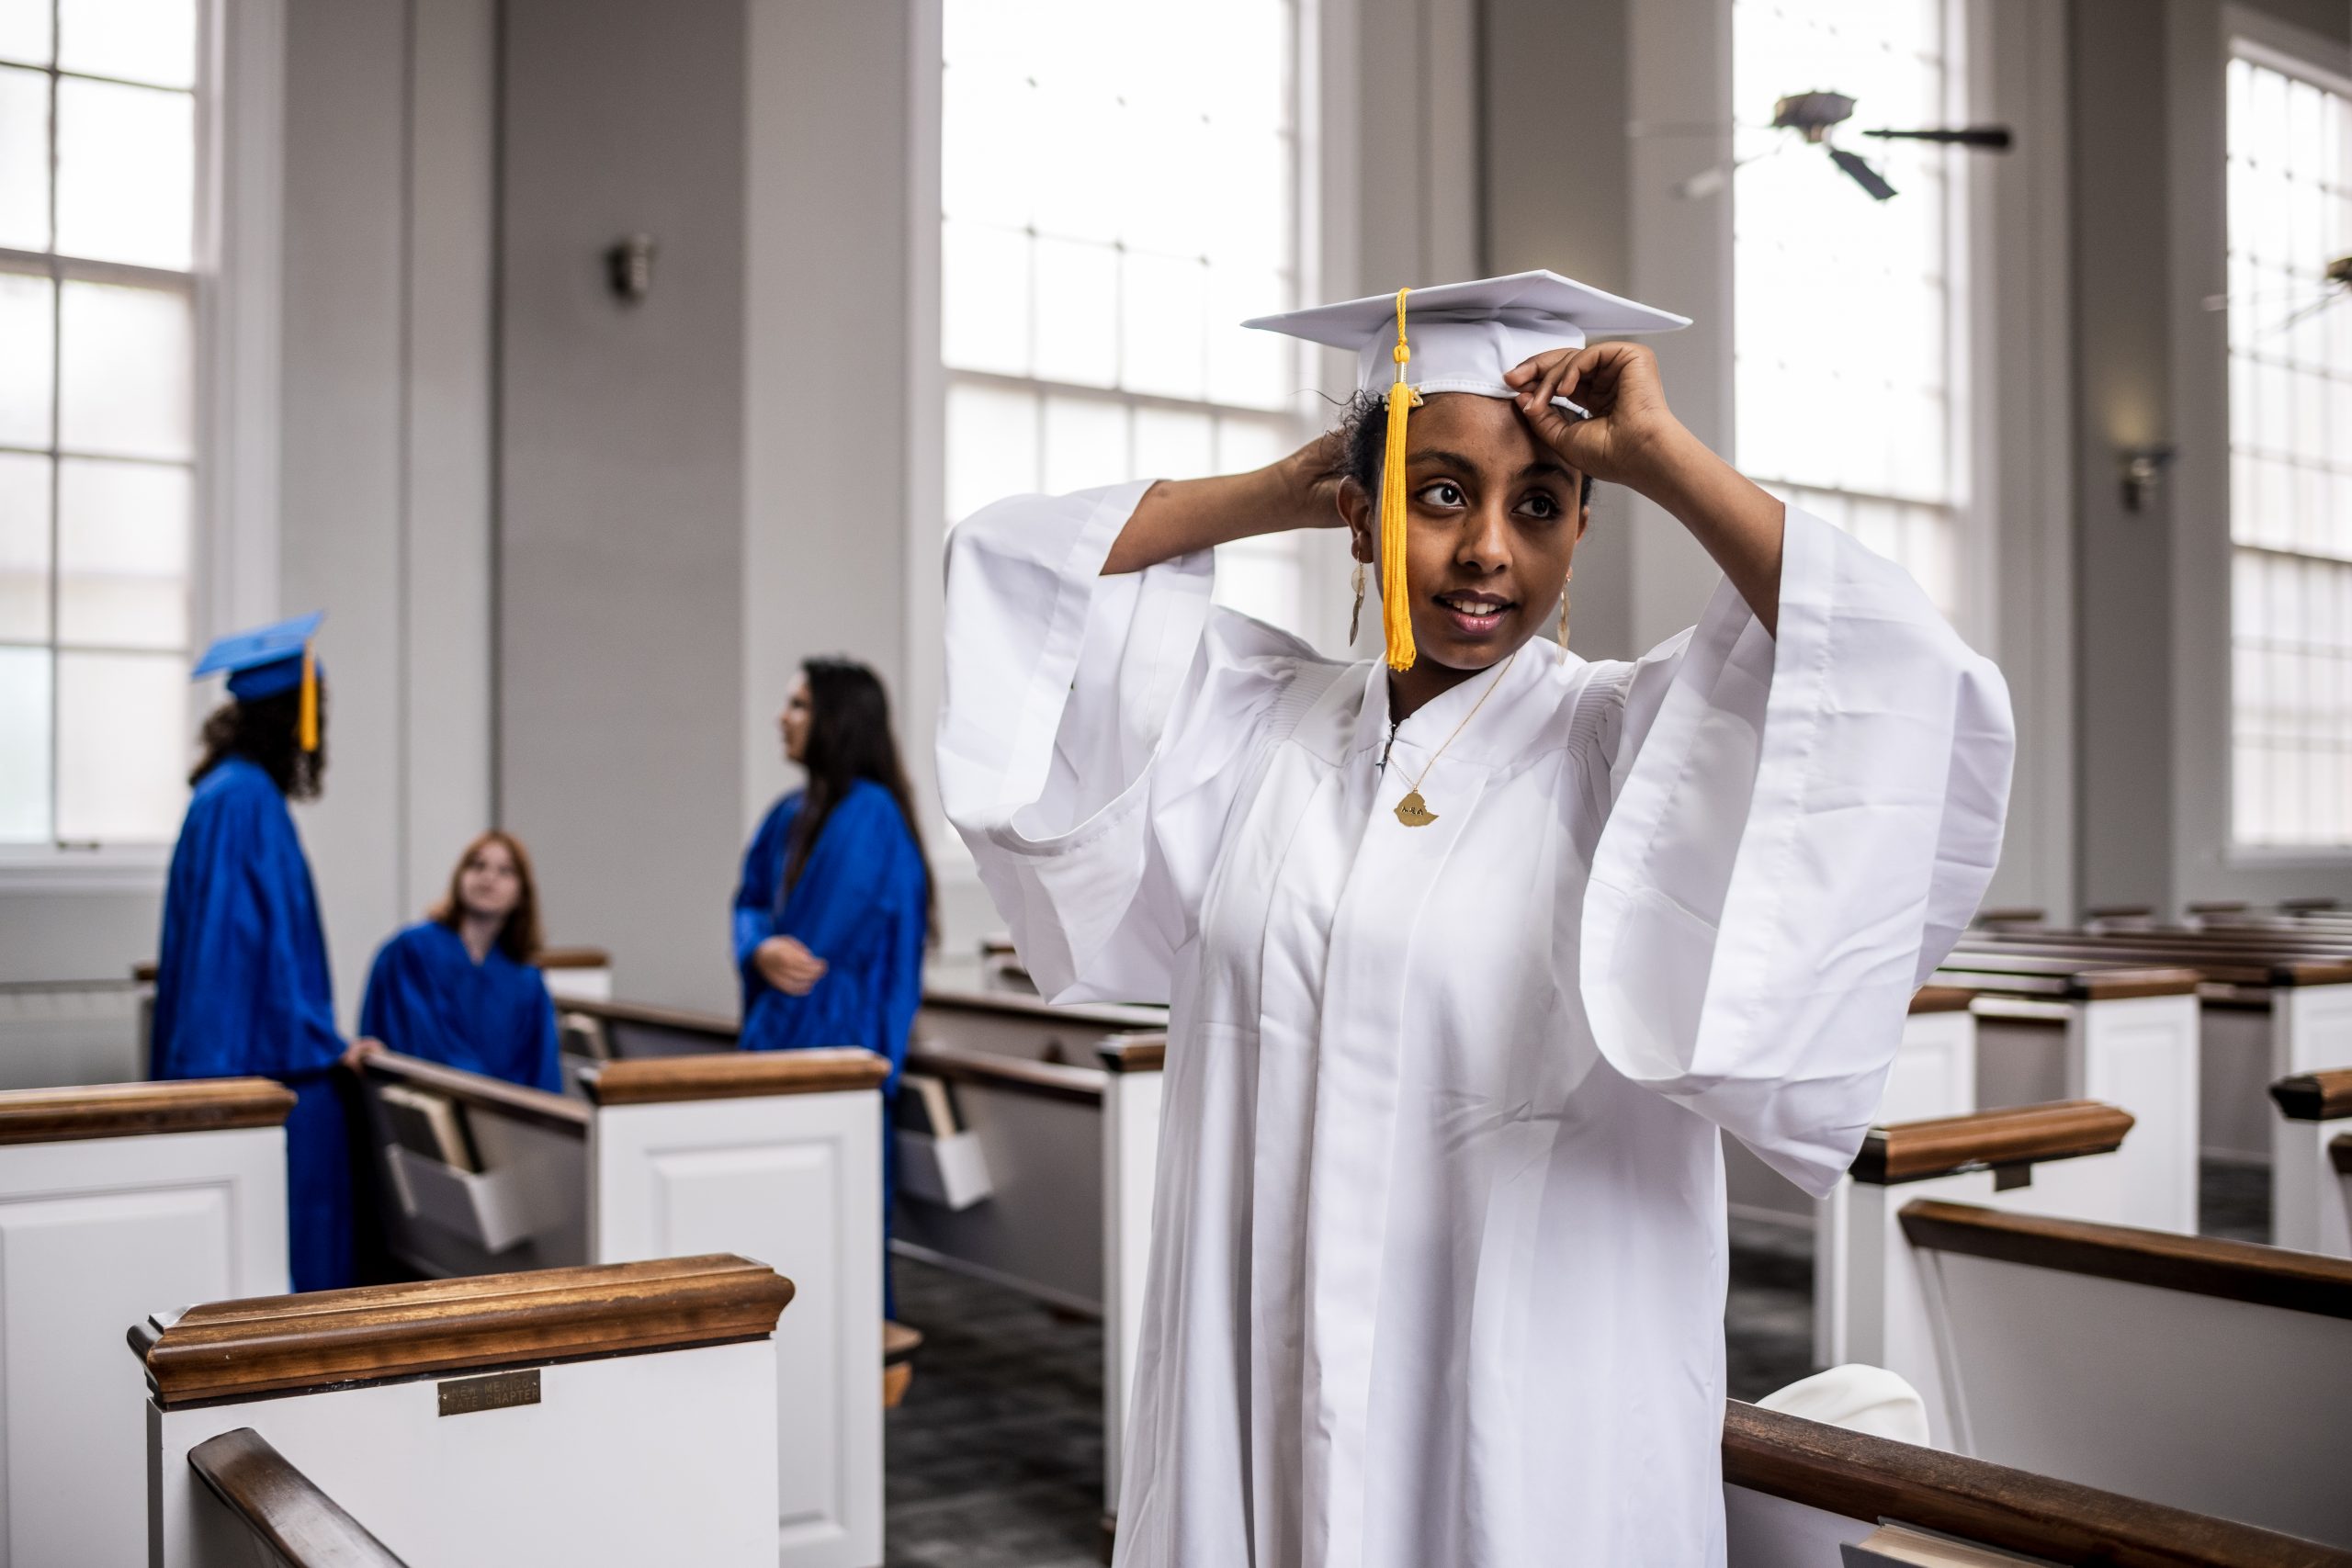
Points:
[[787, 964]]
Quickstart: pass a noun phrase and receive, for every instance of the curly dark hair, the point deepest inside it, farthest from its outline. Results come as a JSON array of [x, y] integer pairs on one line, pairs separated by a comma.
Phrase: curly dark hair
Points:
[[266, 732], [1363, 440]]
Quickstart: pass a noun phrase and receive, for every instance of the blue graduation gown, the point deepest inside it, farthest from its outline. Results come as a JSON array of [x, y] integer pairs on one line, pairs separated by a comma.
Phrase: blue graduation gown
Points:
[[426, 996], [242, 987], [862, 905]]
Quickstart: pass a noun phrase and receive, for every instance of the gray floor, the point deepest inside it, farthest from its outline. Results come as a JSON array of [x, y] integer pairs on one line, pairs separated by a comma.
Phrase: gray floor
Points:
[[995, 1460]]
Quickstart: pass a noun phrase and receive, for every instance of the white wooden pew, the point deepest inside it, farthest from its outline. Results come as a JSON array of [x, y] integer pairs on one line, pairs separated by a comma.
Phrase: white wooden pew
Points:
[[775, 1155], [2036, 1158], [2312, 1163], [576, 973], [2051, 1029], [622, 1414], [2211, 1375], [116, 1200], [1798, 1494], [1065, 1104]]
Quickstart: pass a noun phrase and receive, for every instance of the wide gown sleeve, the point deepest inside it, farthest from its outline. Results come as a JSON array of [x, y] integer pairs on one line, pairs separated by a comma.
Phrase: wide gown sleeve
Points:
[[754, 907], [1089, 742], [1800, 829]]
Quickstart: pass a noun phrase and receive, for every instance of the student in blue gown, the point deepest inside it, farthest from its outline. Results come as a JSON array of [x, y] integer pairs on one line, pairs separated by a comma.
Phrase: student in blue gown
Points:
[[835, 904], [459, 987], [240, 975]]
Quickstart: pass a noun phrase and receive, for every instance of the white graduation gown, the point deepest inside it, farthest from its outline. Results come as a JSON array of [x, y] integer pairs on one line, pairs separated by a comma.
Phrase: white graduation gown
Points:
[[1438, 1253]]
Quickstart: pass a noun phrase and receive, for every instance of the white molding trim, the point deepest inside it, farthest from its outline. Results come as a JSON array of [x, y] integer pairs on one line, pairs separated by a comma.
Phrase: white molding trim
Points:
[[110, 868]]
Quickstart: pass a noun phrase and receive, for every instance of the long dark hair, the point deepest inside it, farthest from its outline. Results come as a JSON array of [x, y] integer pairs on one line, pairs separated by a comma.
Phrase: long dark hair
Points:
[[266, 732], [518, 934], [849, 740]]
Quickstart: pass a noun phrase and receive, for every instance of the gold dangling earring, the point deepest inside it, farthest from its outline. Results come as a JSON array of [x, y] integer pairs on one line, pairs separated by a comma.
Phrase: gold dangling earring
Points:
[[1563, 611], [1356, 616]]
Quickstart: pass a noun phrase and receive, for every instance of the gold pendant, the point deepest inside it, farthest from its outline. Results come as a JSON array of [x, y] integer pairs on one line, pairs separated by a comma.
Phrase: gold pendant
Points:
[[1413, 811]]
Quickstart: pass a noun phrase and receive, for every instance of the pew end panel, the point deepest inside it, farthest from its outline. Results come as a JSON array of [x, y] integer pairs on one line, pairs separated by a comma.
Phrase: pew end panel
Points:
[[116, 1200], [2209, 1374], [774, 1155], [479, 1421], [2311, 1162], [2056, 1160]]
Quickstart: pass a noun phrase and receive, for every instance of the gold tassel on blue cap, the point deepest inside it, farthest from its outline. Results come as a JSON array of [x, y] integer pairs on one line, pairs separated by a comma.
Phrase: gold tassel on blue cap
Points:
[[309, 721], [1396, 607]]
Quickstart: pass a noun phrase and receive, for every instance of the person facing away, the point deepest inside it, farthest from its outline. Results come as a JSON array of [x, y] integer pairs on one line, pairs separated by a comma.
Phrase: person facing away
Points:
[[1475, 951], [241, 973], [459, 986], [834, 908]]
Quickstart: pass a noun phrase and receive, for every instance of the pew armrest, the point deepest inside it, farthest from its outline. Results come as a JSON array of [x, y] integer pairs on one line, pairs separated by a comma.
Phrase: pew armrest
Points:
[[135, 1110], [2314, 1097], [2014, 1135], [734, 1074], [283, 1508], [477, 1091], [235, 1351]]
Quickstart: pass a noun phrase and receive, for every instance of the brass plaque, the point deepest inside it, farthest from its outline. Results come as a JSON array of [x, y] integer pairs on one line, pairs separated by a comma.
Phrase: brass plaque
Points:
[[499, 1391]]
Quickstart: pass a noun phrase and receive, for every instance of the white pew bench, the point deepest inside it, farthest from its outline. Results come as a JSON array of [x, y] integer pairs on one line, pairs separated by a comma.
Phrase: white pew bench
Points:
[[1796, 1494], [621, 1414], [576, 973], [2213, 1375], [115, 1200], [2312, 1163], [775, 1155], [2051, 1029], [2027, 1158]]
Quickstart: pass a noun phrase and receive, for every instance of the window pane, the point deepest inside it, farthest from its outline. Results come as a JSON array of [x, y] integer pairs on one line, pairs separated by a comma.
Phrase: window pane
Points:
[[1078, 326], [24, 158], [126, 371], [141, 40], [1163, 317], [122, 745], [24, 744], [122, 541], [984, 303], [24, 30], [1173, 445], [27, 325], [125, 174], [24, 548], [1086, 444], [992, 446]]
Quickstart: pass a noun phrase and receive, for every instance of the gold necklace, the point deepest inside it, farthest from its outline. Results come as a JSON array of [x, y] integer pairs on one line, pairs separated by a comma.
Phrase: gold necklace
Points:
[[1413, 811]]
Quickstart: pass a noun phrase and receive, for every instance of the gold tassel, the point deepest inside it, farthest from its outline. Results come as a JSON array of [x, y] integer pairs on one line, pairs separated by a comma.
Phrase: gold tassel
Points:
[[1396, 607], [310, 718]]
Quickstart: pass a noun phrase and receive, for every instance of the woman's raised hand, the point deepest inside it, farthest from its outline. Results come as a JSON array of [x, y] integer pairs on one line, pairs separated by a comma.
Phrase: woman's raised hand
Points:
[[1631, 430]]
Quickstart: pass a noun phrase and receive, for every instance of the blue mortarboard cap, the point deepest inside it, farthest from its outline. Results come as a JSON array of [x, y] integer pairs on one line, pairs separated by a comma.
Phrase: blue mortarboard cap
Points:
[[263, 661]]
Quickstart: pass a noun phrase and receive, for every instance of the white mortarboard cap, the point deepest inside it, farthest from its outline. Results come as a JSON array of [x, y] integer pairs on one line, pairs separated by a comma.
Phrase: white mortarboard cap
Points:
[[1463, 337]]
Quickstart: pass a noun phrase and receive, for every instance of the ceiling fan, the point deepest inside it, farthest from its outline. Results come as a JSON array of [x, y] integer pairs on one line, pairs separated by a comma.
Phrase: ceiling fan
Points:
[[1813, 118]]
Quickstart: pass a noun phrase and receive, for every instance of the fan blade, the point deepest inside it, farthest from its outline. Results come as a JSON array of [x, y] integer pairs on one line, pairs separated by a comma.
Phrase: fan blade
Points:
[[1862, 174], [1987, 138]]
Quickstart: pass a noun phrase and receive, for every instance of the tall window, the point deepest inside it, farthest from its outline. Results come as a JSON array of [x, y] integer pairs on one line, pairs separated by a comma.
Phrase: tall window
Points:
[[1120, 185], [2291, 458], [97, 225], [1847, 329]]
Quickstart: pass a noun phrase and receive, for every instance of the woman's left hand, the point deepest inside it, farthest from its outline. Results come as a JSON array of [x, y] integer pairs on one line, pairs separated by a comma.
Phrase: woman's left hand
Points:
[[1631, 432]]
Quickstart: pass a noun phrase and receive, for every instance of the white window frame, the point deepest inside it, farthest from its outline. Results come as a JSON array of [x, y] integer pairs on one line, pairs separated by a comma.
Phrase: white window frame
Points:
[[234, 572], [1327, 46], [2261, 41], [1964, 218]]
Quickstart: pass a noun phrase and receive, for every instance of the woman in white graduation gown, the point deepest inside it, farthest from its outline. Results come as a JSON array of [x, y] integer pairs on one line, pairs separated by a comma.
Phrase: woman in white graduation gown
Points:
[[1471, 952]]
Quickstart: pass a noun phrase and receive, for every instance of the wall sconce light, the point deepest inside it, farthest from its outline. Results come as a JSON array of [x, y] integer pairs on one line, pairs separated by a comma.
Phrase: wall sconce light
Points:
[[2144, 467], [629, 267]]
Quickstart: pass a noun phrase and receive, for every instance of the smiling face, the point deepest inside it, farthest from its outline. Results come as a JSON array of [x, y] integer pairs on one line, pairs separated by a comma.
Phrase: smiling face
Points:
[[489, 884], [794, 723], [1492, 529]]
